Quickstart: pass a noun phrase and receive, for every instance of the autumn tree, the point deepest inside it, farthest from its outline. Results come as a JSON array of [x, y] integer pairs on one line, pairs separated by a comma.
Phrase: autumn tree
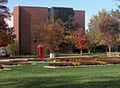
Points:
[[109, 26], [103, 28], [93, 33], [40, 33], [80, 39], [54, 37], [94, 37], [65, 18], [116, 14], [6, 33], [50, 35]]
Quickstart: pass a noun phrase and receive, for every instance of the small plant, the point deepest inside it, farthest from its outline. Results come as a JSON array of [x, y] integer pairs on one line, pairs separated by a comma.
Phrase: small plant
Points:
[[102, 62], [76, 63], [54, 60]]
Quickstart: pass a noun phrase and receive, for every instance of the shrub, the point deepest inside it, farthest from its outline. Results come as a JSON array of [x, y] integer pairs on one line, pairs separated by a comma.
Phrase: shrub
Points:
[[11, 49]]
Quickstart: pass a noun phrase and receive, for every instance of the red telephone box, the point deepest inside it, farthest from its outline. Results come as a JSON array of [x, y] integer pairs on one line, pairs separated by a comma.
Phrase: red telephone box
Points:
[[40, 51]]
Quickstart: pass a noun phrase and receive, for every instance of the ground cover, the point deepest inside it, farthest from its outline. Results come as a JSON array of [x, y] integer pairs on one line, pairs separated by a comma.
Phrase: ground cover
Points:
[[39, 77]]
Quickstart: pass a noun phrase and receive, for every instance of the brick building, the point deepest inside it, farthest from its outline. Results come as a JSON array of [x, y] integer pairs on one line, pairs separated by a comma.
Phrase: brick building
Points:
[[25, 20]]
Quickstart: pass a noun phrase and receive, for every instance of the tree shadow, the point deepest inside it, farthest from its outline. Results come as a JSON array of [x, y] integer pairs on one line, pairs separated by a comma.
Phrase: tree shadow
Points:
[[60, 82]]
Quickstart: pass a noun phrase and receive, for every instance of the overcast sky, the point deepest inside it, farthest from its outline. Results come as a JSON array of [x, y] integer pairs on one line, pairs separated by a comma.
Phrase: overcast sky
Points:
[[91, 7]]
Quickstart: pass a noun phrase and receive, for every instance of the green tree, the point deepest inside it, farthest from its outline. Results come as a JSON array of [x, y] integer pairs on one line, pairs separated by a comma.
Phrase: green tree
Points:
[[94, 37], [11, 49]]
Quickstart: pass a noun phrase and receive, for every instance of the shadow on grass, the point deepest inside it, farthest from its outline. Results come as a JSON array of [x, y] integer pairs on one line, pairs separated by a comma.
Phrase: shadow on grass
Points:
[[60, 82]]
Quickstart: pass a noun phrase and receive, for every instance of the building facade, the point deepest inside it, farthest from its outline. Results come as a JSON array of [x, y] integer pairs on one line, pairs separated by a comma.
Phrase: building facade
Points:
[[27, 18]]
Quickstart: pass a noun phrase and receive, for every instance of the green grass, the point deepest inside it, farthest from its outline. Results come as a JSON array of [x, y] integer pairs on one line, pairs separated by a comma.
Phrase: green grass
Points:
[[39, 77]]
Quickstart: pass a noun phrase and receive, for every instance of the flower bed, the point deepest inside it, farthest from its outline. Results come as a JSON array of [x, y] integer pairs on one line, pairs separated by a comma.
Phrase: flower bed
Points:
[[61, 64], [9, 63], [73, 59], [84, 61], [15, 63], [110, 61]]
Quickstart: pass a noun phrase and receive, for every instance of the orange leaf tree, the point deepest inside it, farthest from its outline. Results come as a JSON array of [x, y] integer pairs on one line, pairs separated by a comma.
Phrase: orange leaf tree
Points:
[[80, 39], [54, 37]]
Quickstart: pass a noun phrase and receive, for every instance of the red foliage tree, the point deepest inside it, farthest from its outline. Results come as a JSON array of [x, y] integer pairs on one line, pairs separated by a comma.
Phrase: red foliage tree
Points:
[[81, 41], [6, 33]]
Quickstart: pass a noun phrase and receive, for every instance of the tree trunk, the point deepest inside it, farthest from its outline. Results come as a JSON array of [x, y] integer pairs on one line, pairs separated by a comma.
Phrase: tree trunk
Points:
[[88, 50], [94, 50], [52, 55], [109, 48], [81, 52]]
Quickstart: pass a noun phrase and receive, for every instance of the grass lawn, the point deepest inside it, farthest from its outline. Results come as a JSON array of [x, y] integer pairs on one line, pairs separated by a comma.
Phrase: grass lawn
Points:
[[39, 77]]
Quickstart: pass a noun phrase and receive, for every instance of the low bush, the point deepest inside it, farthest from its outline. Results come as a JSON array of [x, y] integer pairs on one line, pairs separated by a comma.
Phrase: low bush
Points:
[[11, 49]]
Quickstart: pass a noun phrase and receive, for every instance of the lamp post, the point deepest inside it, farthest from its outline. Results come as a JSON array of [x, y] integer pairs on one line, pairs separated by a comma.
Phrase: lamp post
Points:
[[35, 40]]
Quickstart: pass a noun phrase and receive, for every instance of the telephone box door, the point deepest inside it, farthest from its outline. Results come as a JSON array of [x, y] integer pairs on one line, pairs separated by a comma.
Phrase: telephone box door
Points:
[[40, 51]]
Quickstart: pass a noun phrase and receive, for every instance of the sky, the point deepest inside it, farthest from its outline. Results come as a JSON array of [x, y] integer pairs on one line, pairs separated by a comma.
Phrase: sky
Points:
[[91, 7]]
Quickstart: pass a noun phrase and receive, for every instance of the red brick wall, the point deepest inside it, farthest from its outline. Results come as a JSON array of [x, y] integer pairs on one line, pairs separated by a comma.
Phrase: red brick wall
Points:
[[80, 18], [29, 18], [26, 19], [16, 24]]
